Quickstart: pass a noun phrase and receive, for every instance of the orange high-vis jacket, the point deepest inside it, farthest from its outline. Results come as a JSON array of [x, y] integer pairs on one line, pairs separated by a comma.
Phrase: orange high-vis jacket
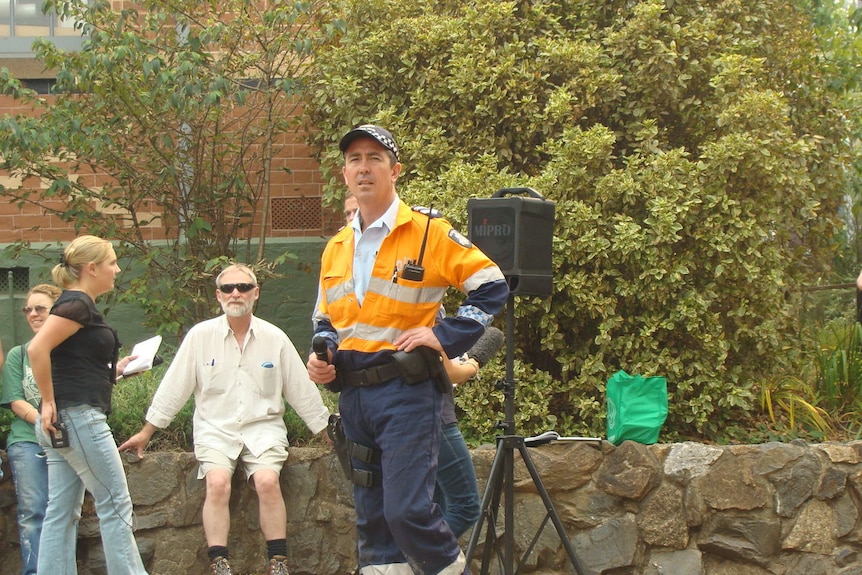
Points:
[[392, 303]]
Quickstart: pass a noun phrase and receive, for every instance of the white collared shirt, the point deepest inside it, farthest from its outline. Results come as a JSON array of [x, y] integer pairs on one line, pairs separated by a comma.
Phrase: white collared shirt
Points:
[[367, 244], [239, 393]]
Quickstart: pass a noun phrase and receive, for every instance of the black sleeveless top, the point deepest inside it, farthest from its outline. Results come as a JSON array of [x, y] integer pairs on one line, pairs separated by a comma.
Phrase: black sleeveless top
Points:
[[82, 365]]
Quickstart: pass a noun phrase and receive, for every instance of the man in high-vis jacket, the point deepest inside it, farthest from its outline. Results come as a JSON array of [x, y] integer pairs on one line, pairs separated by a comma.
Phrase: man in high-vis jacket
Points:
[[381, 282]]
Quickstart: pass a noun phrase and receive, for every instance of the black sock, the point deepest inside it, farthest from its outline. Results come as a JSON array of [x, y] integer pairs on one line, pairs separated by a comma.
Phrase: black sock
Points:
[[217, 551], [276, 547]]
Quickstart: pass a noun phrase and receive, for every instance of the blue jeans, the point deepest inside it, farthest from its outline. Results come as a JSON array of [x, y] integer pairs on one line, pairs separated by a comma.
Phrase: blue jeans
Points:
[[30, 473], [457, 490], [91, 462]]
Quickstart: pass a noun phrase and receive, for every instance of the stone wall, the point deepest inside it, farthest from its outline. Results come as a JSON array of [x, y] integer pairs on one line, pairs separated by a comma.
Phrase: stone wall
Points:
[[677, 509]]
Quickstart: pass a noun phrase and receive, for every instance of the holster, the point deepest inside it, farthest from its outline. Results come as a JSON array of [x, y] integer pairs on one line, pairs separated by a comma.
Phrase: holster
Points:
[[335, 430], [345, 449]]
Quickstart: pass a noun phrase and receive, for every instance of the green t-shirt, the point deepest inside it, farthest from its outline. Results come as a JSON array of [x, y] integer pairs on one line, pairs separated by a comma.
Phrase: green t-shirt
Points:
[[18, 383]]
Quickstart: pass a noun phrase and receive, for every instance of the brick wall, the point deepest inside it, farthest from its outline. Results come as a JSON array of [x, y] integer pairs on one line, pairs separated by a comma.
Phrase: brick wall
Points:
[[295, 208]]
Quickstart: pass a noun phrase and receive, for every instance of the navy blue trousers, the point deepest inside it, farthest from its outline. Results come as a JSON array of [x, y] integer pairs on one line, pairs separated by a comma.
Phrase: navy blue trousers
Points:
[[397, 520]]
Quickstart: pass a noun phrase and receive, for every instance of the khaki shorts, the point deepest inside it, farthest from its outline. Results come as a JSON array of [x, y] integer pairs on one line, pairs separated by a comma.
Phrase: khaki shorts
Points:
[[209, 458]]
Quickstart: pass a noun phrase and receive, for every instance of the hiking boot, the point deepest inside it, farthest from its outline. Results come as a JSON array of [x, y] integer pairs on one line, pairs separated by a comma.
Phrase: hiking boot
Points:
[[221, 567], [278, 565]]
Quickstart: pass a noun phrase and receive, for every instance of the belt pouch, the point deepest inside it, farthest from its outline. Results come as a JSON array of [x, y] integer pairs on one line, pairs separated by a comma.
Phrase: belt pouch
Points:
[[421, 364], [413, 366]]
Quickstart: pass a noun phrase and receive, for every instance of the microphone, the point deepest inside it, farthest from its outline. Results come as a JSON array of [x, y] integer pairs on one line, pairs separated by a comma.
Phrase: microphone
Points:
[[318, 346], [487, 346]]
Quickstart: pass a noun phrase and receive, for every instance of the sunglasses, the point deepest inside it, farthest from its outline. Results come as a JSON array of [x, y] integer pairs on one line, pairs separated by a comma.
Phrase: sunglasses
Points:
[[38, 309], [243, 288]]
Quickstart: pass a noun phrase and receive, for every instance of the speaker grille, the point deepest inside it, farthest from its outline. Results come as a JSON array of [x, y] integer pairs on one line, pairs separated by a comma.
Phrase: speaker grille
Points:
[[298, 213], [518, 235], [537, 233]]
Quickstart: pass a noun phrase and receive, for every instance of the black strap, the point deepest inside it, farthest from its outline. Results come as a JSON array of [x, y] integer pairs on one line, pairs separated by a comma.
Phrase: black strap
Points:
[[363, 453], [364, 478], [374, 375], [413, 367]]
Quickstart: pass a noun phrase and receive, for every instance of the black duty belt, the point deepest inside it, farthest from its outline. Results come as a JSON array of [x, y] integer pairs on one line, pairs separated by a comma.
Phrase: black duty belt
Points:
[[369, 376]]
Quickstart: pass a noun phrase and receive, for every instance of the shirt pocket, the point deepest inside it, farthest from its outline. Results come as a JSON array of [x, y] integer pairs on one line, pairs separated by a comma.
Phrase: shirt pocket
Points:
[[215, 379], [266, 384], [336, 274], [337, 284]]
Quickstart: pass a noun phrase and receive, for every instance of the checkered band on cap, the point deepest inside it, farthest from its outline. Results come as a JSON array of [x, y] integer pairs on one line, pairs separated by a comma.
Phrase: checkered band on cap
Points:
[[381, 135]]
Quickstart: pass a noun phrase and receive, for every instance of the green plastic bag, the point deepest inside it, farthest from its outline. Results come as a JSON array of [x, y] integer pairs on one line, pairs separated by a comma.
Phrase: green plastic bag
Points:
[[637, 407]]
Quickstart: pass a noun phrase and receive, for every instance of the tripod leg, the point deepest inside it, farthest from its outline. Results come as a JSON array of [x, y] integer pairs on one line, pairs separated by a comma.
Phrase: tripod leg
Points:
[[491, 531], [549, 506], [509, 510], [490, 506]]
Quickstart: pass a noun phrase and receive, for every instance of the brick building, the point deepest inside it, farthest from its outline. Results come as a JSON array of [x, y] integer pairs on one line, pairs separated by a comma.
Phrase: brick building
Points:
[[294, 208], [296, 219]]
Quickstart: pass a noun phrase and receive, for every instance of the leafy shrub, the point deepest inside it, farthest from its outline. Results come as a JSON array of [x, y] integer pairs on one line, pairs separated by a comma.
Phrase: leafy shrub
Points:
[[6, 416], [693, 189], [130, 403]]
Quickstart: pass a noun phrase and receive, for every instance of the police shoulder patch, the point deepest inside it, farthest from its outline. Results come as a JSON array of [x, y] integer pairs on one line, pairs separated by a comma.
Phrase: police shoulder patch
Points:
[[459, 239]]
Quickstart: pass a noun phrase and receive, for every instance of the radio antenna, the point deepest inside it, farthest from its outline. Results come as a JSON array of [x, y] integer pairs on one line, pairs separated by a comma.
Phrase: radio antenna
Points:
[[425, 237]]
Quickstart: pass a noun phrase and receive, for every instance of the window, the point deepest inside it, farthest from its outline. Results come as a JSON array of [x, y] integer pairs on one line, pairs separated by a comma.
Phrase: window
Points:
[[19, 277], [22, 21]]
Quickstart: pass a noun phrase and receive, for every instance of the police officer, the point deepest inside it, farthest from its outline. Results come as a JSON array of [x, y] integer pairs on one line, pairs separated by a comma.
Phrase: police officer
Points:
[[377, 310]]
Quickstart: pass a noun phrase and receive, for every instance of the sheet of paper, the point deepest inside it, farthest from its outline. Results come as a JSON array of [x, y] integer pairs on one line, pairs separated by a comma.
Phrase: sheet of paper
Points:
[[146, 351]]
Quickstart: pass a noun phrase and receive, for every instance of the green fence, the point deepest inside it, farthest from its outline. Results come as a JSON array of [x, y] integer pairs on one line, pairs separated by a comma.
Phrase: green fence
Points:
[[286, 301]]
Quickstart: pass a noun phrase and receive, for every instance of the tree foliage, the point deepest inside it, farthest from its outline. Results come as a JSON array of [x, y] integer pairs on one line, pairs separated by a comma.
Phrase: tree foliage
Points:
[[840, 37], [179, 110], [696, 153]]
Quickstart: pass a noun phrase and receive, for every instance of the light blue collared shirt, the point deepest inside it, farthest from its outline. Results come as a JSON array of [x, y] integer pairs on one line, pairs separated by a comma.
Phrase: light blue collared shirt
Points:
[[367, 244]]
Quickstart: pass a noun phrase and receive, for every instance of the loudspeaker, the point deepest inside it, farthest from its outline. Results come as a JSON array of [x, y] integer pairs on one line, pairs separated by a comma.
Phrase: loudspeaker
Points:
[[517, 233]]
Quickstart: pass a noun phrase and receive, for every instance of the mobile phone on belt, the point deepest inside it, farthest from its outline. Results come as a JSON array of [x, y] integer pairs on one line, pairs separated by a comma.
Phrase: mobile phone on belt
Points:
[[60, 437]]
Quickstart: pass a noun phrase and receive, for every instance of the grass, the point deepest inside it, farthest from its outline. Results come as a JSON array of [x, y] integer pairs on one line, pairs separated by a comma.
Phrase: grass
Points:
[[824, 400]]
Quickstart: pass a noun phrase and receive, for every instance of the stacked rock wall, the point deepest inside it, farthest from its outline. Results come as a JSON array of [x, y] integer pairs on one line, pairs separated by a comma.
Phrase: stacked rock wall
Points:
[[681, 509]]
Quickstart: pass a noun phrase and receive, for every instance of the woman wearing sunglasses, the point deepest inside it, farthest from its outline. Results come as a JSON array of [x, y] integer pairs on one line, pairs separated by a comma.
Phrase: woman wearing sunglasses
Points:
[[26, 456], [74, 359]]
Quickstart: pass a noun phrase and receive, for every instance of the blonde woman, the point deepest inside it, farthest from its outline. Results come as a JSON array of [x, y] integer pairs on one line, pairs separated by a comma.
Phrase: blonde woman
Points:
[[74, 359], [26, 456]]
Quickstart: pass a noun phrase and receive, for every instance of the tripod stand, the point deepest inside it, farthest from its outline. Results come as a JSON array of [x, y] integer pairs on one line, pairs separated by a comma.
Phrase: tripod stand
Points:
[[501, 481]]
